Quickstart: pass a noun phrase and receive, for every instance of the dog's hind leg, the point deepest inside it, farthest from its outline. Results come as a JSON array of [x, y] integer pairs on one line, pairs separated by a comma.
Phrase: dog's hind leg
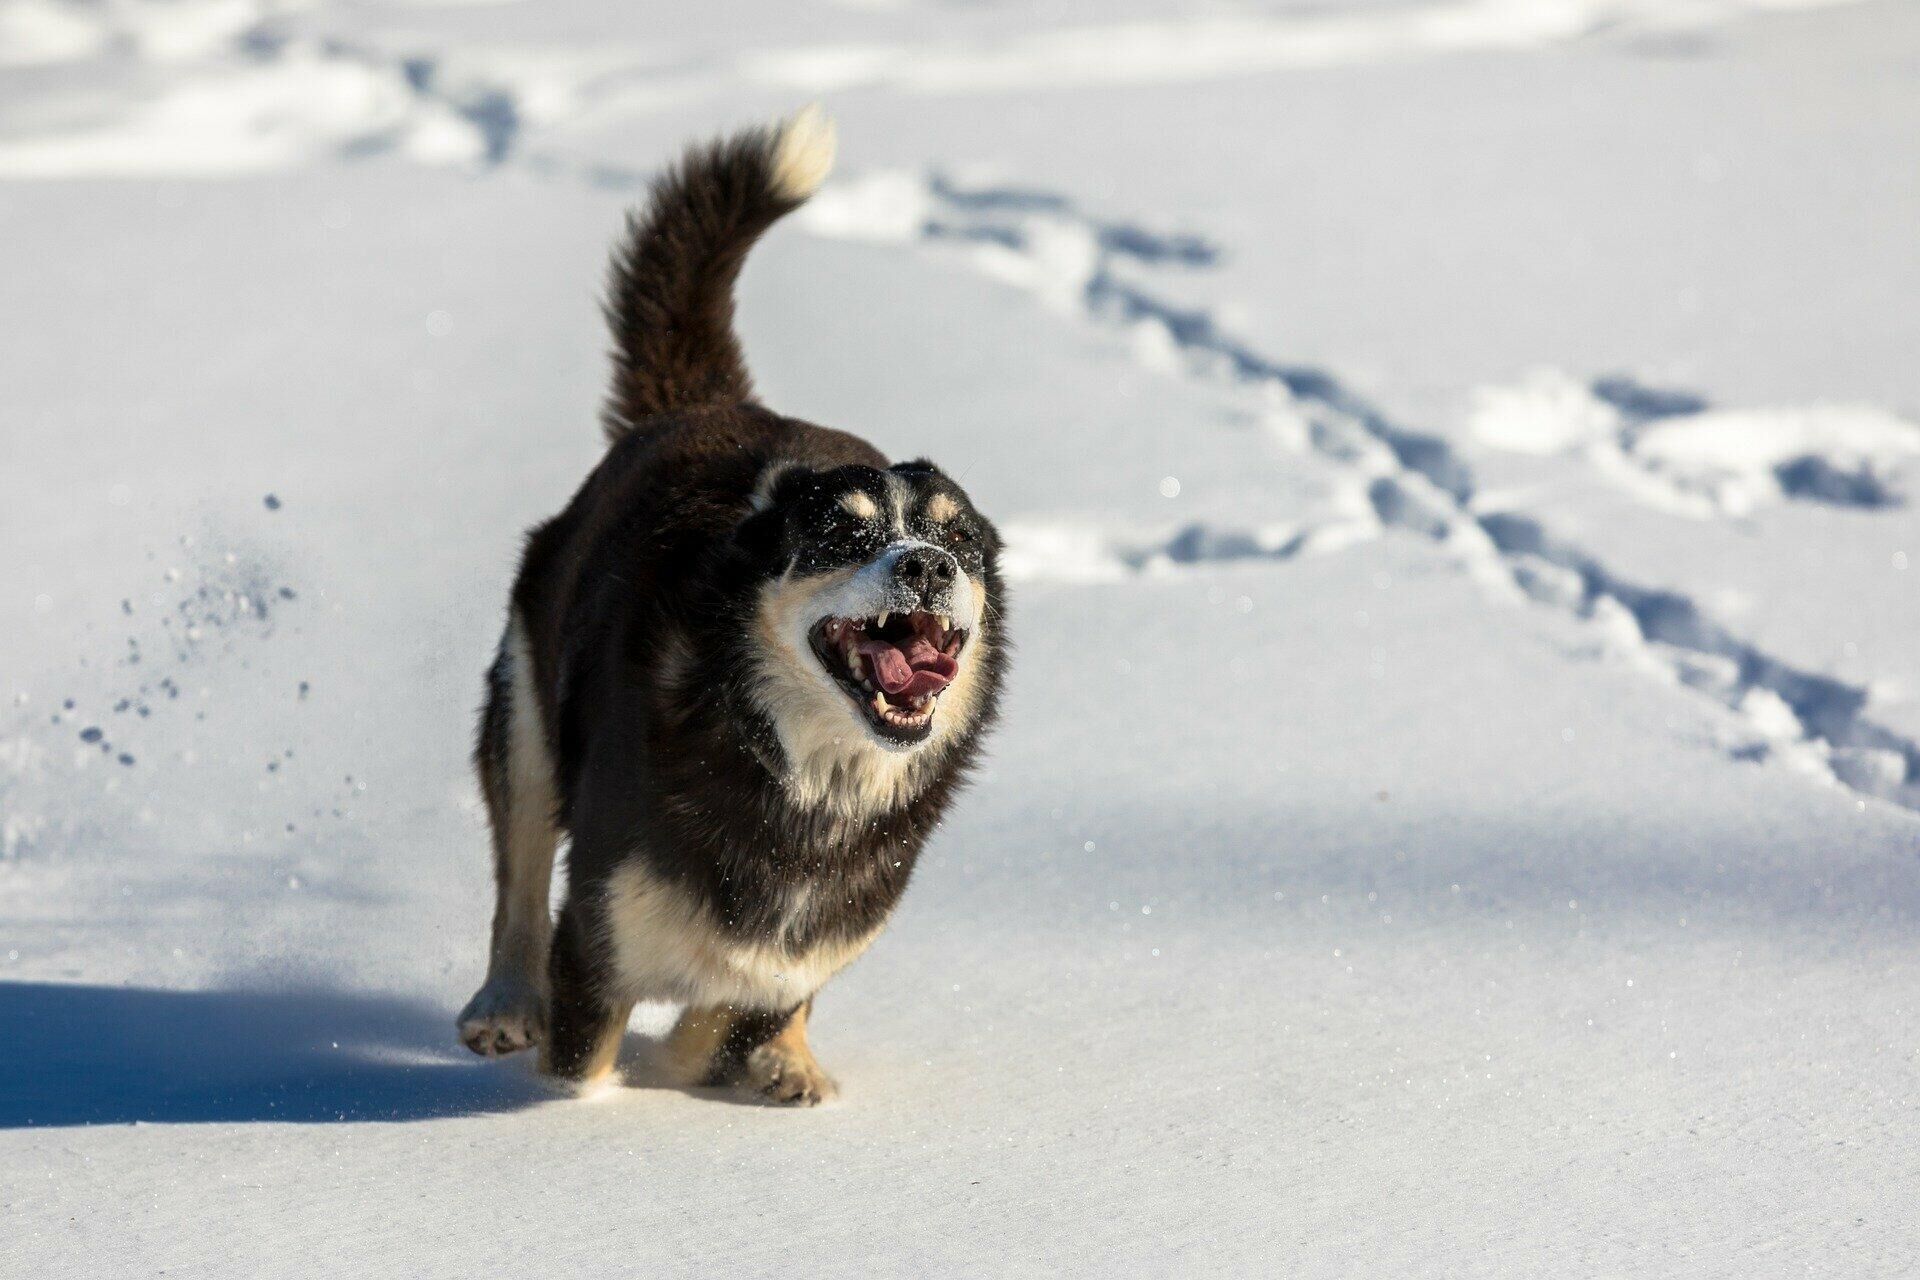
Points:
[[509, 1012], [762, 1050]]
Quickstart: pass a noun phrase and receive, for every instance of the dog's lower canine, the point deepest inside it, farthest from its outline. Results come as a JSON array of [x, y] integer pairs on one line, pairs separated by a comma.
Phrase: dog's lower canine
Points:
[[743, 673]]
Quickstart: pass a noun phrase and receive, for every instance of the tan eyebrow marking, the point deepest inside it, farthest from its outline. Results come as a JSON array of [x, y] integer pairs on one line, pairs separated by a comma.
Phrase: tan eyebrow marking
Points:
[[942, 508], [860, 505]]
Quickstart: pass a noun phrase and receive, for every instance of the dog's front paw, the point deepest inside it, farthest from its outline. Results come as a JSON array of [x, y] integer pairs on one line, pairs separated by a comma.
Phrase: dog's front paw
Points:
[[506, 1015], [788, 1078]]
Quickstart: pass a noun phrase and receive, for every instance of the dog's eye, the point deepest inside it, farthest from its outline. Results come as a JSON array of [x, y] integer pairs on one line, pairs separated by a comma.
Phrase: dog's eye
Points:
[[957, 534]]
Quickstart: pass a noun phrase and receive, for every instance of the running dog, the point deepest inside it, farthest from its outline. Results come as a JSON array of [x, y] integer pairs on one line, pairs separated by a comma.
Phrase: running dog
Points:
[[743, 674]]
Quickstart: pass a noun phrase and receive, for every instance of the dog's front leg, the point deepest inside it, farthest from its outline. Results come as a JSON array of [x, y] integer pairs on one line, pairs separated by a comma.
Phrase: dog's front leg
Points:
[[587, 1017], [509, 1012]]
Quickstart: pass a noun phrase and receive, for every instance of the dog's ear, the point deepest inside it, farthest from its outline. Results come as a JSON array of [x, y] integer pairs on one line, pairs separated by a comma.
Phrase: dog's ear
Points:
[[917, 467], [778, 483], [759, 531]]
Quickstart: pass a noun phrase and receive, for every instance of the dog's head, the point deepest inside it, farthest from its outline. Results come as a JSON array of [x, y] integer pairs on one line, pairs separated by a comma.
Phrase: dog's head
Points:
[[875, 620]]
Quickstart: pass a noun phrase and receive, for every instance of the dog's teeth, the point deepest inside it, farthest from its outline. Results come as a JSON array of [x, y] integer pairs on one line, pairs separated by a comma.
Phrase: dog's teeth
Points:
[[946, 622], [853, 662], [883, 618]]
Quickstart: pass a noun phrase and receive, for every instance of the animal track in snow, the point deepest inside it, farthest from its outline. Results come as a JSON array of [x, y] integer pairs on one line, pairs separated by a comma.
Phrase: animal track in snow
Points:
[[243, 93], [246, 87], [1100, 270], [1080, 552], [1675, 451]]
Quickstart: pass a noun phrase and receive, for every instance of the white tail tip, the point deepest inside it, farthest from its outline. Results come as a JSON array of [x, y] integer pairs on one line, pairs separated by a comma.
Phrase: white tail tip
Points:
[[803, 155]]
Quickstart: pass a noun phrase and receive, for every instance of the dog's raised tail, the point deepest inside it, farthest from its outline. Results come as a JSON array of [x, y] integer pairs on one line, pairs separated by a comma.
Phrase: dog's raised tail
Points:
[[670, 297]]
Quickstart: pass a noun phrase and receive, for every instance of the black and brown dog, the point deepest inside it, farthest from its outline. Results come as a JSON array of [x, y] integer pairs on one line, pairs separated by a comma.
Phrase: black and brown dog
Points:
[[743, 672]]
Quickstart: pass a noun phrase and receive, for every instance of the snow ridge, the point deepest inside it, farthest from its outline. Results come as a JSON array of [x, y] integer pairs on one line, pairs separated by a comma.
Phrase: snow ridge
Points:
[[229, 88], [245, 88], [1065, 551], [1100, 271], [1189, 49], [1672, 450]]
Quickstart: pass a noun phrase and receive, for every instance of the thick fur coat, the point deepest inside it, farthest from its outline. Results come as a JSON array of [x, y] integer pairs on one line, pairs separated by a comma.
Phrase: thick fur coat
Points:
[[744, 672]]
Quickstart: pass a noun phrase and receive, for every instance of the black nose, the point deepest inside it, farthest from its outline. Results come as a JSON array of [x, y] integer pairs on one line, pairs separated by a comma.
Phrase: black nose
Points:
[[926, 568]]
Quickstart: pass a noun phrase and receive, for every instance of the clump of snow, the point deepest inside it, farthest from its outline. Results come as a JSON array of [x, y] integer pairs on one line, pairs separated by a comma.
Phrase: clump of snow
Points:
[[229, 118], [1059, 551], [34, 32], [886, 206], [1876, 771], [1849, 455], [44, 32], [1546, 411], [1055, 260], [1701, 461]]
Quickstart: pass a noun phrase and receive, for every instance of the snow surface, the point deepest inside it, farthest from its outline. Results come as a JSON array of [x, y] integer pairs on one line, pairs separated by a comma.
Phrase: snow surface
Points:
[[1476, 437]]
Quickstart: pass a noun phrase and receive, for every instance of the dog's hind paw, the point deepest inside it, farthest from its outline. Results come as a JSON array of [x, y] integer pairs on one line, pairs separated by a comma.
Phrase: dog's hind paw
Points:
[[506, 1015], [789, 1079]]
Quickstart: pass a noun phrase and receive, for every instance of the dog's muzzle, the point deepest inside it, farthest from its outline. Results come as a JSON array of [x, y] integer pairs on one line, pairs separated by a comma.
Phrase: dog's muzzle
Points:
[[893, 665]]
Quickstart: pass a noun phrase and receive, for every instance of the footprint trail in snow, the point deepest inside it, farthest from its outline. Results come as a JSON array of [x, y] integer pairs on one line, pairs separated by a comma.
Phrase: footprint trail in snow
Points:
[[1100, 271]]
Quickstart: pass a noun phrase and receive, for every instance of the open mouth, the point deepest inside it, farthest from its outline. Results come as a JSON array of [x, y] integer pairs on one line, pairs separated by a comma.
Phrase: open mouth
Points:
[[894, 666]]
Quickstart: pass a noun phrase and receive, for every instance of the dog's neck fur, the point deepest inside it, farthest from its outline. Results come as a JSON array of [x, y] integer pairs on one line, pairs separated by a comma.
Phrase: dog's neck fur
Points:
[[853, 780], [823, 758]]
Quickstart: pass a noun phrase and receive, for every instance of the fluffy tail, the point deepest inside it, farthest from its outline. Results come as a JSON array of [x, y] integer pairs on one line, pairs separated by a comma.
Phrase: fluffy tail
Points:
[[670, 301]]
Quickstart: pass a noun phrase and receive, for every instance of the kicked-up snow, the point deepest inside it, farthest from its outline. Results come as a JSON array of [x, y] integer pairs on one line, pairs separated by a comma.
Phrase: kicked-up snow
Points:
[[1458, 810]]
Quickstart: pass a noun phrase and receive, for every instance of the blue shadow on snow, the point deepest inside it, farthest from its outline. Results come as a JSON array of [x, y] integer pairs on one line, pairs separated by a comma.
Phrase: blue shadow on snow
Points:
[[78, 1055]]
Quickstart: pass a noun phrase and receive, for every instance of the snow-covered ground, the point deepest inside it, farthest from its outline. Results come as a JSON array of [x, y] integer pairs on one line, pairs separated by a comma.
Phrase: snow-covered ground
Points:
[[1459, 804]]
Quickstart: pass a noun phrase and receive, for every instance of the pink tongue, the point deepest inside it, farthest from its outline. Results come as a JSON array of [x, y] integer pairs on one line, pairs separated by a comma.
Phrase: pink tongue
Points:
[[910, 670]]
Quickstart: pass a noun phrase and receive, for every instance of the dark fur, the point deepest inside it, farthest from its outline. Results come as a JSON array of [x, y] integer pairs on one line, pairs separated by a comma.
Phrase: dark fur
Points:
[[670, 296], [661, 549]]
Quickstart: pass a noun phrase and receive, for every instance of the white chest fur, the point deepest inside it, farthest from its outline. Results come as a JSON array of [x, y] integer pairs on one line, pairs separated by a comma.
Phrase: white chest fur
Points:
[[666, 946]]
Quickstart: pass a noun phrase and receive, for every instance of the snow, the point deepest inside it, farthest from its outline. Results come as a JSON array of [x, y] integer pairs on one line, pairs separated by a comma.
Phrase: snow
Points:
[[1480, 437], [1673, 451], [1204, 46]]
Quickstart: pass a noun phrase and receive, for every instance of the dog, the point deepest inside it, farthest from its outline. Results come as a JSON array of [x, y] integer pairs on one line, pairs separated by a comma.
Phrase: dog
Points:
[[743, 674]]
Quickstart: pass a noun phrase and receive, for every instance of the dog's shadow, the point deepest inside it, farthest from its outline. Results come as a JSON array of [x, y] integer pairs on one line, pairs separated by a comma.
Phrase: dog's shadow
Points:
[[83, 1055], [118, 1055]]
